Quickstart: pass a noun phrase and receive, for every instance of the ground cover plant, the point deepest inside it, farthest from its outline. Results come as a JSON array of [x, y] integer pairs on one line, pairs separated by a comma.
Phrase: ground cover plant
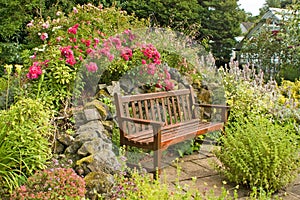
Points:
[[52, 183]]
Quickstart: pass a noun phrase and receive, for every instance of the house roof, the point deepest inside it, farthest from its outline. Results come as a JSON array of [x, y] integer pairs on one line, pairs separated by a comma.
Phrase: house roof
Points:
[[275, 14], [247, 25]]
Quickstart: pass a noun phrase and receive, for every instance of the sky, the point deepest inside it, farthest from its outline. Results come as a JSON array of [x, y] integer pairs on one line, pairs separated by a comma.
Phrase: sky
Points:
[[251, 6]]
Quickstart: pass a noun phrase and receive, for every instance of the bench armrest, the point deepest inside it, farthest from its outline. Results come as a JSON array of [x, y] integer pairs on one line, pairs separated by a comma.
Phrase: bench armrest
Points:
[[224, 109], [212, 106], [143, 121]]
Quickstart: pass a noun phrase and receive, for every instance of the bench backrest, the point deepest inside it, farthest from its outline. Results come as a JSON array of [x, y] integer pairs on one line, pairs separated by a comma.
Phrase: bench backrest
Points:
[[171, 107]]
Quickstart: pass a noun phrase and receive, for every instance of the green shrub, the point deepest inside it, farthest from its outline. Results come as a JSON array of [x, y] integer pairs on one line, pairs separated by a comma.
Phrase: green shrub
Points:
[[24, 145], [260, 153]]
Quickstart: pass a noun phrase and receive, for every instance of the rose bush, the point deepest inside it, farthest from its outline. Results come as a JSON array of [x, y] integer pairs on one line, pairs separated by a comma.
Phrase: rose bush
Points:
[[60, 45]]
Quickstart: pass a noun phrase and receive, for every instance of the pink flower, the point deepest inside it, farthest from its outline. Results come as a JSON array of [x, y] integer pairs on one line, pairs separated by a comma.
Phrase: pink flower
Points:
[[73, 29], [33, 56], [88, 43], [110, 57], [45, 25], [80, 58], [71, 61], [89, 50], [58, 39], [169, 85], [30, 24], [66, 51], [45, 62], [72, 39], [144, 62], [168, 76], [151, 69], [34, 71], [75, 10], [151, 53], [126, 53], [44, 36], [23, 188], [96, 40], [131, 36], [91, 67], [116, 41]]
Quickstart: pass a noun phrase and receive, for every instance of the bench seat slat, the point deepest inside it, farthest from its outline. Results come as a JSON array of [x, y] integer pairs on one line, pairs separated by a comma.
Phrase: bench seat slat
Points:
[[173, 134]]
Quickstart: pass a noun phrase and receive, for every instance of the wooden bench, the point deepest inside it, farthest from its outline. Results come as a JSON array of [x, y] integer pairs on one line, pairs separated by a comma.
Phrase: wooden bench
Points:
[[154, 121]]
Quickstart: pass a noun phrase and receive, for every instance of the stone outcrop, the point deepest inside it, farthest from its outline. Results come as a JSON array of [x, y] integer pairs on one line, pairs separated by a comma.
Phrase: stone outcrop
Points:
[[91, 147]]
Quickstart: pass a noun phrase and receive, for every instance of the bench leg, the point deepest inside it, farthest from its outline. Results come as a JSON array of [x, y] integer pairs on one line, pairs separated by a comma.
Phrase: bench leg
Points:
[[157, 163]]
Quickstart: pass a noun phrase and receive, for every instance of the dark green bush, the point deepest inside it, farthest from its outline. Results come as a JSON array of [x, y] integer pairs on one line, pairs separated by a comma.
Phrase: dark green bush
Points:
[[260, 153], [24, 142]]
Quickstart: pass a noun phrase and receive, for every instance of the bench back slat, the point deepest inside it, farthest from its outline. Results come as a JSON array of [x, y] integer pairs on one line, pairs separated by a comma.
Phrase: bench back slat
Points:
[[171, 107]]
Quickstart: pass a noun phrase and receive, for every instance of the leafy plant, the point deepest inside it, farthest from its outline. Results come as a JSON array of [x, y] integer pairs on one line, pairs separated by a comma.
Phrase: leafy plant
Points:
[[137, 184], [260, 153], [54, 183], [25, 131]]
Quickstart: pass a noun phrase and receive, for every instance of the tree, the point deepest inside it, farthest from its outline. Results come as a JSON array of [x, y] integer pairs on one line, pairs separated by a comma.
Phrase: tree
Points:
[[276, 4], [180, 15], [221, 23]]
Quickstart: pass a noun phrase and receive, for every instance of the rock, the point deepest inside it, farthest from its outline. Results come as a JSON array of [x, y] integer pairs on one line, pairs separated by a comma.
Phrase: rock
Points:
[[92, 114], [100, 107], [98, 183], [73, 148], [175, 75], [114, 88], [106, 161], [65, 139], [127, 85], [80, 119], [90, 130], [108, 125], [58, 147], [94, 146]]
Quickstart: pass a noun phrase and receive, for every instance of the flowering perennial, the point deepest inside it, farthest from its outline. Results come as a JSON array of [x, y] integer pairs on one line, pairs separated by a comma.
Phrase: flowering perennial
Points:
[[34, 71], [53, 183]]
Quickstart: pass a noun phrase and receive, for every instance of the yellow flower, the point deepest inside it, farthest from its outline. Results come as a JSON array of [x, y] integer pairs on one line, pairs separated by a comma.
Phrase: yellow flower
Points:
[[8, 69], [18, 68]]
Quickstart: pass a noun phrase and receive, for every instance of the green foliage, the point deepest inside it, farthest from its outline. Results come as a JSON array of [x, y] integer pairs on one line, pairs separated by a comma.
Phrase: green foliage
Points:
[[180, 15], [134, 184], [275, 50], [55, 86], [9, 53], [221, 23], [247, 94], [202, 20], [24, 134], [54, 183], [260, 153]]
